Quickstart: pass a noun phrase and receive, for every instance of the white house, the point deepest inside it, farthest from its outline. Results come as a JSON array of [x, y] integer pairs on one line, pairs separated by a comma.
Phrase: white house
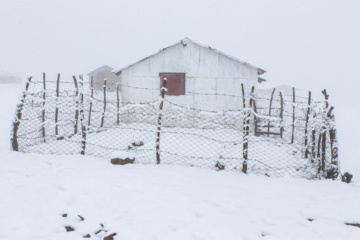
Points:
[[198, 76], [98, 75]]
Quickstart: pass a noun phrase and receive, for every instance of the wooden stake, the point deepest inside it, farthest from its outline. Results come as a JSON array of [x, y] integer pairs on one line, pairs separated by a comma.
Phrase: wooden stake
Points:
[[281, 113], [92, 97], [77, 105], [103, 114], [57, 109], [272, 95], [306, 126], [159, 122], [82, 116], [245, 143], [18, 116], [293, 119], [118, 104], [43, 113]]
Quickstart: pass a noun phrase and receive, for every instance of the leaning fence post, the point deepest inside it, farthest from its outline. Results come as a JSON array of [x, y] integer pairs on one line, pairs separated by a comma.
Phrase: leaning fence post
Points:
[[333, 146], [18, 116], [281, 113], [82, 116], [306, 126], [103, 114], [76, 105], [245, 143], [272, 95], [163, 89], [118, 104], [293, 118], [57, 109], [91, 100], [43, 112]]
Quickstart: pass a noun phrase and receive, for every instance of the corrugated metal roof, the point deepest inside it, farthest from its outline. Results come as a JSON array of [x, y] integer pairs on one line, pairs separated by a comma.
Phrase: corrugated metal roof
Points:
[[184, 42]]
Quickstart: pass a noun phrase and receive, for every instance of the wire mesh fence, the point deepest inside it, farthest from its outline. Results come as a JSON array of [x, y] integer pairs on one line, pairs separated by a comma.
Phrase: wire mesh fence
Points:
[[273, 135]]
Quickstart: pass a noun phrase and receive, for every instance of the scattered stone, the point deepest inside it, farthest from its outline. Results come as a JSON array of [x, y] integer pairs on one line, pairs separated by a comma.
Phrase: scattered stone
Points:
[[110, 237], [87, 236], [346, 177], [220, 166], [353, 224], [64, 215], [310, 219], [69, 228], [138, 144], [122, 158], [102, 225], [120, 161], [82, 218], [97, 232]]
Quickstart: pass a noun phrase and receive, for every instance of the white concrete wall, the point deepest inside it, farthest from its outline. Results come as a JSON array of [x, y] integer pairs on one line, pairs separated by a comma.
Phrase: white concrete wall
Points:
[[207, 72]]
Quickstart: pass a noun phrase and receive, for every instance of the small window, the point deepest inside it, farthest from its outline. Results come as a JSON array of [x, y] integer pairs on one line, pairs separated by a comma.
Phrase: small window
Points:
[[175, 83]]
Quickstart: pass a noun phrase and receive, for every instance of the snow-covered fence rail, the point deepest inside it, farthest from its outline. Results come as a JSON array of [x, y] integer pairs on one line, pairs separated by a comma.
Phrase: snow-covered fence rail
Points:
[[299, 134]]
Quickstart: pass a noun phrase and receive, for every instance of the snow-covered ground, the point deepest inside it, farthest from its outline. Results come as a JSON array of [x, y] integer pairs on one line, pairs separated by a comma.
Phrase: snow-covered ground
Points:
[[166, 202]]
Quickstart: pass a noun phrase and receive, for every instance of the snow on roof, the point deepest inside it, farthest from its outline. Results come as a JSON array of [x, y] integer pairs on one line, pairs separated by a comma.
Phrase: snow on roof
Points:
[[105, 66], [185, 41]]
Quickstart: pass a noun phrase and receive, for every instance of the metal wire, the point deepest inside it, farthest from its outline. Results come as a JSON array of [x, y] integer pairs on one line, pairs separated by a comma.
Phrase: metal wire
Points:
[[278, 144]]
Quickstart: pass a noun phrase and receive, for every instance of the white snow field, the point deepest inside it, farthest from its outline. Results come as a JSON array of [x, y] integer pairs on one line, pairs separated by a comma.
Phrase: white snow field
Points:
[[164, 201]]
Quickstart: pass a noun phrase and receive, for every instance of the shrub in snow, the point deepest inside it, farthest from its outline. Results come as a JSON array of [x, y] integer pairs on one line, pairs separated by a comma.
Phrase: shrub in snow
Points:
[[346, 177], [122, 158]]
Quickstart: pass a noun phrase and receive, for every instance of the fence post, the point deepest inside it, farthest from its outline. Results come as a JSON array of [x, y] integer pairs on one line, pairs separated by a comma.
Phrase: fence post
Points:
[[293, 118], [82, 116], [92, 97], [57, 109], [272, 95], [334, 147], [43, 113], [255, 118], [245, 143], [103, 114], [163, 89], [76, 105], [281, 114], [18, 116], [306, 126], [118, 104]]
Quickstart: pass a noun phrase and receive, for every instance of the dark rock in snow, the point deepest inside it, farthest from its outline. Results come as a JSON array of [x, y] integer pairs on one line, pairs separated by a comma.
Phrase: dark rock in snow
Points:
[[87, 236], [110, 237], [220, 166], [120, 161], [346, 177], [69, 228], [64, 215]]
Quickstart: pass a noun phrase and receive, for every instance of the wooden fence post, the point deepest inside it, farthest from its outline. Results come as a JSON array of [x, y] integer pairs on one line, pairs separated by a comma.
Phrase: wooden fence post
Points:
[[118, 104], [334, 147], [318, 152], [76, 105], [245, 143], [163, 89], [255, 118], [103, 114], [82, 116], [92, 97], [281, 113], [293, 118], [43, 112], [272, 95], [57, 109], [18, 116], [306, 126]]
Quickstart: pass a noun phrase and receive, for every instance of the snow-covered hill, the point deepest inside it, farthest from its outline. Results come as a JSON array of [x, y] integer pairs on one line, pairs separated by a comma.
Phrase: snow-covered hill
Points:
[[163, 202]]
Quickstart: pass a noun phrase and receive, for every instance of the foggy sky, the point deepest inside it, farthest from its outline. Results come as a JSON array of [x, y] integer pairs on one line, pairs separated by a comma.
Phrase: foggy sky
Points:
[[309, 44]]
